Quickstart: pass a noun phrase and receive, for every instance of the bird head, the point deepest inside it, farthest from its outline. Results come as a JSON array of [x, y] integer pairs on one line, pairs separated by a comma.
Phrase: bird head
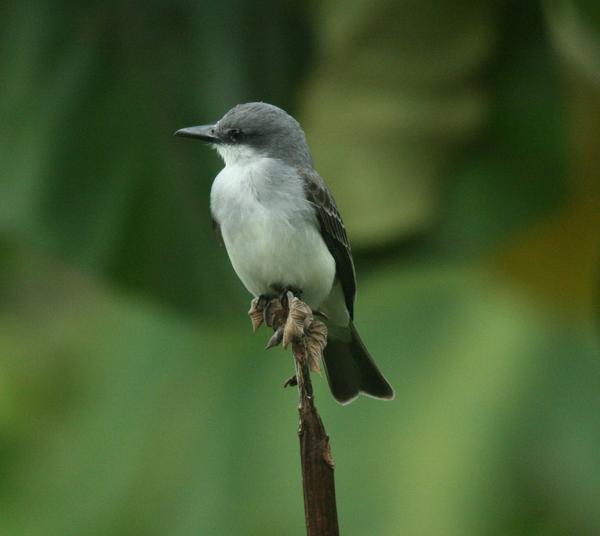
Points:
[[254, 130]]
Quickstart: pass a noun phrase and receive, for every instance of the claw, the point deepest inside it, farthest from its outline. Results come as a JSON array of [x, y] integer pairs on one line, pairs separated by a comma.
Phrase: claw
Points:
[[276, 339], [319, 314]]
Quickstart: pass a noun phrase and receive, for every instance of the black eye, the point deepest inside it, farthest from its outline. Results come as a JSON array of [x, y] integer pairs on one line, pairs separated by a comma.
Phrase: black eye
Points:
[[235, 134]]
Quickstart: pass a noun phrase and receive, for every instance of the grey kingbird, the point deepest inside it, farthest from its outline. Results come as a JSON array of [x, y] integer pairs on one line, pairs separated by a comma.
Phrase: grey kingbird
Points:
[[282, 230]]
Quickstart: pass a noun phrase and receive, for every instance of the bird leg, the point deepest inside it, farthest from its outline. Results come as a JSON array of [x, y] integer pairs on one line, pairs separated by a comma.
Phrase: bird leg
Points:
[[283, 295], [262, 303], [282, 290], [262, 300]]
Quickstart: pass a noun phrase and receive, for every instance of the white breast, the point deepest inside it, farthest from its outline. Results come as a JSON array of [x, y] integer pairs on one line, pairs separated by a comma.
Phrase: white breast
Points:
[[270, 229]]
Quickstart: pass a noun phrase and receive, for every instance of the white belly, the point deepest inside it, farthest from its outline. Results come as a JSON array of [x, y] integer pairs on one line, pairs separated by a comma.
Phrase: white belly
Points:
[[271, 233]]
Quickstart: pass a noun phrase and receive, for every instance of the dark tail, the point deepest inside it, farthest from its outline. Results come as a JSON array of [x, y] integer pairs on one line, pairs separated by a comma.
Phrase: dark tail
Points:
[[351, 370]]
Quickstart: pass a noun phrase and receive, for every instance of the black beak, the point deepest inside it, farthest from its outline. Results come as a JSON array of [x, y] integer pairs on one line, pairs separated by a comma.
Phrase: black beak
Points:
[[207, 133]]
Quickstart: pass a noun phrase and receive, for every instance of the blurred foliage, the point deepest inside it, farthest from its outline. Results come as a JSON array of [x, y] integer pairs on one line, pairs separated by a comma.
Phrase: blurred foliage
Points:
[[462, 141]]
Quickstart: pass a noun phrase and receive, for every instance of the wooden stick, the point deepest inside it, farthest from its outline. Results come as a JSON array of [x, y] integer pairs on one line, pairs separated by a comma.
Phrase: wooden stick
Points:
[[320, 510], [293, 322]]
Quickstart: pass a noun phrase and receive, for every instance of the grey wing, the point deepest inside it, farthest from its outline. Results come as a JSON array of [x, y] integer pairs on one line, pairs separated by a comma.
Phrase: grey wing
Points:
[[334, 234]]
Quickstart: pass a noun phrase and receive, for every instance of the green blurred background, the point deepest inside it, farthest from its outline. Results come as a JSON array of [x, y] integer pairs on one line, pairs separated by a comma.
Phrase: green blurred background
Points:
[[462, 142]]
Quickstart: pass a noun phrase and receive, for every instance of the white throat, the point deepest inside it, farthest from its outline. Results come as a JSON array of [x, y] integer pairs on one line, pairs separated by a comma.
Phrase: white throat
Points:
[[235, 155]]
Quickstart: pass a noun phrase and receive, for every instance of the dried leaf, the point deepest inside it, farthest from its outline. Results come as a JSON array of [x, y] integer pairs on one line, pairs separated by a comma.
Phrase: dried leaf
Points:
[[290, 382], [256, 314], [316, 340], [299, 317]]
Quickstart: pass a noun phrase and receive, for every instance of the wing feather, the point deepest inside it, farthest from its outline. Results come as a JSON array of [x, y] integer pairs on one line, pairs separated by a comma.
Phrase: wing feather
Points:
[[334, 234]]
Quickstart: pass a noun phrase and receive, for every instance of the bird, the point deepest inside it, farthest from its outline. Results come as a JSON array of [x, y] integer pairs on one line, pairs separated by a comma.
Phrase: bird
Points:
[[283, 231]]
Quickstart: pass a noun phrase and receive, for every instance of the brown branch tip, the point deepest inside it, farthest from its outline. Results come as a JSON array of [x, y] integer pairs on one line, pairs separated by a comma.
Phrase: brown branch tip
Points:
[[293, 322]]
